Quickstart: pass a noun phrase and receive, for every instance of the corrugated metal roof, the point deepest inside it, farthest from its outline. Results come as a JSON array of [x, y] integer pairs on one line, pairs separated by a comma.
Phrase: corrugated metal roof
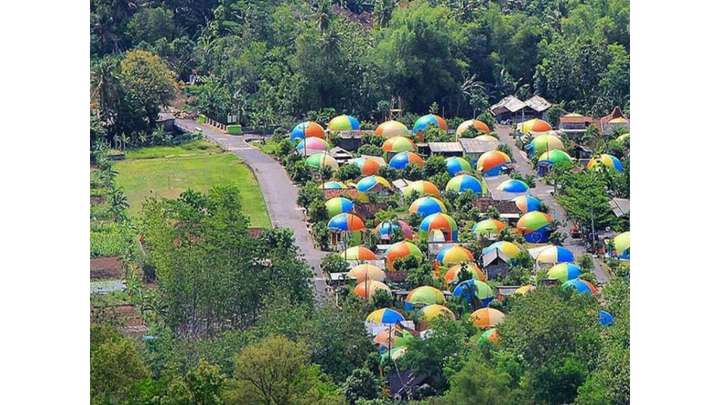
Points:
[[474, 145], [445, 147], [509, 103], [538, 103], [620, 206]]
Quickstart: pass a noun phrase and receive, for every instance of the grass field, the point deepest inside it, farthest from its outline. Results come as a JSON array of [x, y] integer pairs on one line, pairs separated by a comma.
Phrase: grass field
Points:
[[167, 171]]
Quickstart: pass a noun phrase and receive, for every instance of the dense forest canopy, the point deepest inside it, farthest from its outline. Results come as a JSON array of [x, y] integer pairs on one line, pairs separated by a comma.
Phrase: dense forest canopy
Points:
[[272, 62]]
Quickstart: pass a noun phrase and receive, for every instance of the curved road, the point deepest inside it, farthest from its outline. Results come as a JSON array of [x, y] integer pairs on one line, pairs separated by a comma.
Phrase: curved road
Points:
[[279, 192]]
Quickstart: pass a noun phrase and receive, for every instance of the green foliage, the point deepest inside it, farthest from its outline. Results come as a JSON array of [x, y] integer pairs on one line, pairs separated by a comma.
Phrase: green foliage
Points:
[[334, 263], [115, 366], [361, 384], [348, 172], [208, 267], [130, 92], [418, 47], [477, 382], [278, 371], [438, 355], [151, 24], [371, 150], [585, 198], [434, 165]]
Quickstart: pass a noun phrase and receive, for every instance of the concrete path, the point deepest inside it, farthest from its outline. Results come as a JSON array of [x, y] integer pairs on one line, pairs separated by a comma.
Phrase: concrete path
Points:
[[279, 192], [545, 192]]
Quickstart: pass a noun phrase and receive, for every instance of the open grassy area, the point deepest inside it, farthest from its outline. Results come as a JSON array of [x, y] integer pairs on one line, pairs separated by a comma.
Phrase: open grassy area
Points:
[[167, 171]]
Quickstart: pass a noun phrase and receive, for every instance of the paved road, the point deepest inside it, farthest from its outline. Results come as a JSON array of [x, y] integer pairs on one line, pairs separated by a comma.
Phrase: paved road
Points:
[[544, 192], [279, 192]]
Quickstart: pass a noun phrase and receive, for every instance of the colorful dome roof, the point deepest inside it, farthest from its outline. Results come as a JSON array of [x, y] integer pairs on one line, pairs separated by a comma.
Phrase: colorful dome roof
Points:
[[453, 255], [360, 253], [344, 123], [425, 206], [390, 129], [609, 161], [622, 245], [527, 203], [385, 316], [307, 129], [485, 318], [405, 159], [534, 126], [367, 184], [581, 286], [564, 271], [398, 144], [424, 295], [386, 230], [368, 167], [555, 156], [477, 124], [345, 223], [605, 318], [452, 274], [441, 222], [524, 289], [457, 165], [554, 255], [474, 291], [366, 289], [535, 226], [320, 160], [399, 250], [465, 182], [543, 143], [509, 249], [490, 336], [334, 185], [491, 163], [487, 227], [513, 186], [308, 146], [429, 120], [366, 271], [422, 187], [338, 205], [431, 312]]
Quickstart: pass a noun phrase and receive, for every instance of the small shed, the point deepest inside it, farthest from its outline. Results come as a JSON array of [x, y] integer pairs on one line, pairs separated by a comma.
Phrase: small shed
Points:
[[574, 125], [446, 149], [508, 110], [473, 147], [620, 207], [340, 155], [536, 107], [616, 120], [495, 263]]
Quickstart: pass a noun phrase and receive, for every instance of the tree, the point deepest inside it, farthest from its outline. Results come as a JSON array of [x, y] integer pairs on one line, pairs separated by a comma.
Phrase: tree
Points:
[[115, 365], [278, 371], [419, 45], [557, 335], [206, 383], [348, 172], [211, 274], [477, 382], [585, 198], [436, 355], [361, 384], [150, 24]]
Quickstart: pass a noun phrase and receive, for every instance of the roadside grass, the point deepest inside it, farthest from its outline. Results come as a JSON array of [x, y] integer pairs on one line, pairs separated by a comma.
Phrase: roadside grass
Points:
[[268, 147], [167, 171]]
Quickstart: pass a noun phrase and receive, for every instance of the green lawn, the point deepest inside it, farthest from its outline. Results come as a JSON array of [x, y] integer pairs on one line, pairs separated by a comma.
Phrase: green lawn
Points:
[[167, 171]]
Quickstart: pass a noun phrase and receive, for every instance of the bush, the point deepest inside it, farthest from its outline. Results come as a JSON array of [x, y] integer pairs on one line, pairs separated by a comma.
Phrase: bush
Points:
[[371, 150]]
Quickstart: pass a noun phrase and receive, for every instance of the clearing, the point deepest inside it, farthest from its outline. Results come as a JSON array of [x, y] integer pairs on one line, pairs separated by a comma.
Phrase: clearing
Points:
[[167, 171]]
